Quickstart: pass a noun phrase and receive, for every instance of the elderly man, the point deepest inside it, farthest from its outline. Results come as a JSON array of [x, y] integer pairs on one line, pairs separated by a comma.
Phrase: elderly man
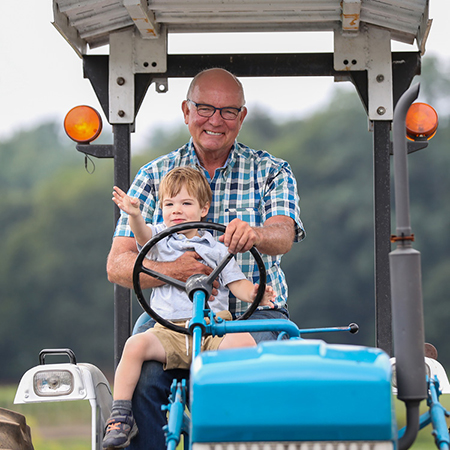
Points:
[[254, 195]]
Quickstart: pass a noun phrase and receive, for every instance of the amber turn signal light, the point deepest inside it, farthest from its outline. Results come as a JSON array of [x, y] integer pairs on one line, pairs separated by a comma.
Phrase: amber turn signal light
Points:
[[421, 122], [83, 124]]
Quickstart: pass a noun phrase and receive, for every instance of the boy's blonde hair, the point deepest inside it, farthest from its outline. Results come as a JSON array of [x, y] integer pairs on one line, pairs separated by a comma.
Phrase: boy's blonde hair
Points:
[[195, 182]]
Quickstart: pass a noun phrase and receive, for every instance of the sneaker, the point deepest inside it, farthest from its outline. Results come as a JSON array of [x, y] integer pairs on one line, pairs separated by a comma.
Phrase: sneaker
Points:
[[120, 430]]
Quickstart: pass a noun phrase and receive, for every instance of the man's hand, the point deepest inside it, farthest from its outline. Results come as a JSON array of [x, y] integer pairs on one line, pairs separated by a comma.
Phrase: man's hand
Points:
[[123, 255], [186, 265], [275, 237], [239, 237]]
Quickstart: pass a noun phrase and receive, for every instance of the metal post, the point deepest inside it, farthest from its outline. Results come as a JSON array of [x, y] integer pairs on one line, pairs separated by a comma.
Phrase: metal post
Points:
[[122, 296], [382, 223]]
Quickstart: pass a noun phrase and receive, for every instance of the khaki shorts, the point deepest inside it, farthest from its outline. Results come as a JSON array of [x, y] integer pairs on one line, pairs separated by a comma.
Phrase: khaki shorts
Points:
[[178, 346]]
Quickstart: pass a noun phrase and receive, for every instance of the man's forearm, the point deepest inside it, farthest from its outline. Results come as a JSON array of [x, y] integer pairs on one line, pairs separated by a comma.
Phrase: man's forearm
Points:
[[120, 271], [275, 238]]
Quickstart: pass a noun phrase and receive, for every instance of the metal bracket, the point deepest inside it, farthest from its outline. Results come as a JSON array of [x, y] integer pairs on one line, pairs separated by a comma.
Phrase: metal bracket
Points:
[[161, 85], [131, 54], [121, 77], [143, 18], [369, 50], [351, 15], [151, 54]]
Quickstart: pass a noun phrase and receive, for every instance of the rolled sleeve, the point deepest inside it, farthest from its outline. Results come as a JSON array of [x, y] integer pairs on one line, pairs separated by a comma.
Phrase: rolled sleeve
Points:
[[281, 199]]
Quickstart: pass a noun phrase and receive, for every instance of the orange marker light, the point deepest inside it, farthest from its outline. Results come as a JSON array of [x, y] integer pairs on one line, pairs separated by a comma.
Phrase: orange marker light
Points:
[[83, 124], [421, 121]]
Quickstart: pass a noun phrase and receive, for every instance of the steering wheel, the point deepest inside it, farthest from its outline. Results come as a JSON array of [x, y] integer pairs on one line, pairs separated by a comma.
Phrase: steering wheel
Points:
[[194, 282]]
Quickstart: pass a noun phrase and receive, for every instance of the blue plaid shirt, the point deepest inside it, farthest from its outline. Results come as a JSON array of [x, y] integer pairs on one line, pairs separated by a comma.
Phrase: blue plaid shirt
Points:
[[252, 186]]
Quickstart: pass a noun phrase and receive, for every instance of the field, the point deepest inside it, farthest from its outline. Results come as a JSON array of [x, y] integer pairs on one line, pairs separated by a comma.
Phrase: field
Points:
[[67, 426]]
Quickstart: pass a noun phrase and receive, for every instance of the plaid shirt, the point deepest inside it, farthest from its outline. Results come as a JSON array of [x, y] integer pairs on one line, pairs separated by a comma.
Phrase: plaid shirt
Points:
[[252, 186]]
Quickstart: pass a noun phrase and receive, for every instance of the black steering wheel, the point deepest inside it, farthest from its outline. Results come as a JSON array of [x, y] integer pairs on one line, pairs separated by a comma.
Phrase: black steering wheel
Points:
[[195, 282]]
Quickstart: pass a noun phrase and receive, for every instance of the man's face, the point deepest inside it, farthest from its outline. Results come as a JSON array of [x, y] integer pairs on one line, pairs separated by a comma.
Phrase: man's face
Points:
[[214, 134]]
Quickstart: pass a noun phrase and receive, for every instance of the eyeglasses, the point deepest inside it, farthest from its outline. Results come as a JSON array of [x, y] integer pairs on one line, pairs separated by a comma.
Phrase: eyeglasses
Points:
[[227, 112]]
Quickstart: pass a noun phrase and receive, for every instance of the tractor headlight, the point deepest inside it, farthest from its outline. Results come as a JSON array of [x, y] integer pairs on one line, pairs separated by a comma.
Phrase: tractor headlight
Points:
[[394, 373], [53, 382], [432, 368]]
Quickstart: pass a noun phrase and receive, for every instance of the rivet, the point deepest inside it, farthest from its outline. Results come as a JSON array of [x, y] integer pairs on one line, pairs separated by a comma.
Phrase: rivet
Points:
[[121, 113], [381, 110], [120, 81], [380, 78]]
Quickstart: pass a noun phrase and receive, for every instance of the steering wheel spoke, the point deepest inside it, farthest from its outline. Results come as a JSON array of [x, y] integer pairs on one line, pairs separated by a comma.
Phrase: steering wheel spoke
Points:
[[215, 273], [160, 276]]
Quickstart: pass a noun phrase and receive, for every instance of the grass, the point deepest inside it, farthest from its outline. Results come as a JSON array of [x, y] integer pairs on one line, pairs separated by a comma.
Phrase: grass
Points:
[[424, 440], [67, 425]]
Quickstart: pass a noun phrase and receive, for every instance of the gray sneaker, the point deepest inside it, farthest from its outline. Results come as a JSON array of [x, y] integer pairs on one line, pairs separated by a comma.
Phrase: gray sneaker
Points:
[[120, 430]]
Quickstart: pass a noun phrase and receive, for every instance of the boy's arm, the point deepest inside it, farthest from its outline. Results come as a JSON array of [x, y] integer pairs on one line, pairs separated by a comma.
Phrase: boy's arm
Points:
[[141, 231], [246, 291]]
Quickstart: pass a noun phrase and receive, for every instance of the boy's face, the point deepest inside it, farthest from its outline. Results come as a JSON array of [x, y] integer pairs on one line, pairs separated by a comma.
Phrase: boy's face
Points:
[[183, 208]]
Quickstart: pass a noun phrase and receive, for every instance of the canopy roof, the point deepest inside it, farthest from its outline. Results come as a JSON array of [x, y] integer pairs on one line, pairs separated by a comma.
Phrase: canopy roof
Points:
[[90, 22]]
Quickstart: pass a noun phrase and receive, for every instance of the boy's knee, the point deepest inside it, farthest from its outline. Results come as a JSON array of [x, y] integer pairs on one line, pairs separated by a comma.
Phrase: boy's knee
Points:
[[247, 340], [134, 344], [238, 340]]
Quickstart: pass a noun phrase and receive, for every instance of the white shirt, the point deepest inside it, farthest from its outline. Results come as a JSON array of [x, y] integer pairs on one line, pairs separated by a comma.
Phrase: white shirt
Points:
[[172, 303]]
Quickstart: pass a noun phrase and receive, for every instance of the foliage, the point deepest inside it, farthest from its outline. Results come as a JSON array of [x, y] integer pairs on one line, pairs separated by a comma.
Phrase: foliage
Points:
[[54, 291], [57, 223]]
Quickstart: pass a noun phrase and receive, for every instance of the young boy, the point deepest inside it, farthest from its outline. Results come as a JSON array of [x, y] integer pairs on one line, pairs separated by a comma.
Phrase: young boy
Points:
[[185, 196]]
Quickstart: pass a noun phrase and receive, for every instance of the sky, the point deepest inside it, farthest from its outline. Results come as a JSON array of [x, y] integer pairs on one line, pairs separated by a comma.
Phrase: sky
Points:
[[41, 76]]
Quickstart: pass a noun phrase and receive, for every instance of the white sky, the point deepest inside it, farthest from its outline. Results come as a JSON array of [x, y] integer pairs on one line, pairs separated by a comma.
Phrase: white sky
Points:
[[41, 76]]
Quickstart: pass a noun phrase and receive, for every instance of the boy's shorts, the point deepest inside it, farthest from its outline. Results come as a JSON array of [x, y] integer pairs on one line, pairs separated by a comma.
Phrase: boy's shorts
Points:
[[178, 346]]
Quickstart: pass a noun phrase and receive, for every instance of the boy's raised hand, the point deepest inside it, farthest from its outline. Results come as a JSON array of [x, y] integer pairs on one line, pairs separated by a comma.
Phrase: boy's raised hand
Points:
[[130, 205]]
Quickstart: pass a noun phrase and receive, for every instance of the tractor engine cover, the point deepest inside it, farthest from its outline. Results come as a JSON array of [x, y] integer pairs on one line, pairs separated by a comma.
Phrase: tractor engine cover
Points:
[[291, 391]]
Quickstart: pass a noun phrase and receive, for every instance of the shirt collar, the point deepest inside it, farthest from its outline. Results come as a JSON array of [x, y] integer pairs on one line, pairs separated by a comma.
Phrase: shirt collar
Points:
[[229, 163], [203, 238]]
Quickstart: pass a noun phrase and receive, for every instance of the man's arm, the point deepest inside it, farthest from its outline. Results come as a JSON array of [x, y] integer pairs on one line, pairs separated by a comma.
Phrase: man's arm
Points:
[[122, 257], [275, 237]]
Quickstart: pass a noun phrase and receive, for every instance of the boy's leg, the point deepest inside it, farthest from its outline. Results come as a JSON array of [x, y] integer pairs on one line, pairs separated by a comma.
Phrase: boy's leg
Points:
[[152, 391], [121, 426], [236, 340], [138, 348], [232, 340]]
